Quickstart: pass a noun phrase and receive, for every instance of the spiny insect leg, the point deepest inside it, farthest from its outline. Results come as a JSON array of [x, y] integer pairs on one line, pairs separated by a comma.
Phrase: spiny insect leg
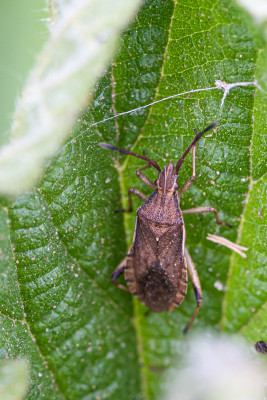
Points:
[[196, 286], [200, 210], [144, 179], [118, 271], [137, 193]]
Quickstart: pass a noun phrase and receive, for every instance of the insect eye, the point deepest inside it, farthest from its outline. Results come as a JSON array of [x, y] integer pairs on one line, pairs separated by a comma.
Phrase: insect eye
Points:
[[176, 186], [156, 182]]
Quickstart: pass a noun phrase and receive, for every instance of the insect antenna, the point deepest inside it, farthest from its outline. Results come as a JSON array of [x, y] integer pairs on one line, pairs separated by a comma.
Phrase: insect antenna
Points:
[[151, 162], [197, 137]]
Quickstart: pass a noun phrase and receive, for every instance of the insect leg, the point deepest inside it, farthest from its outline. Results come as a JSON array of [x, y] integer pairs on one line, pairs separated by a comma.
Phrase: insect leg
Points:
[[197, 288], [144, 179], [137, 193], [118, 271], [189, 182], [200, 210]]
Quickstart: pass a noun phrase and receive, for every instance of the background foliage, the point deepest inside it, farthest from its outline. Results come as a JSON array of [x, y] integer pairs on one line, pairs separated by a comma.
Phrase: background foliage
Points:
[[84, 338]]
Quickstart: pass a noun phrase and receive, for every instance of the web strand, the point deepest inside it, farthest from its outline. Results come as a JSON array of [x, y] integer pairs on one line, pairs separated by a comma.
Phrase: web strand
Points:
[[220, 85]]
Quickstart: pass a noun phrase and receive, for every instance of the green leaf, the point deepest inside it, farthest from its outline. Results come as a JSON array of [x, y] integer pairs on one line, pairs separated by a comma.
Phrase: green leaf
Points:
[[245, 303], [86, 339], [13, 379]]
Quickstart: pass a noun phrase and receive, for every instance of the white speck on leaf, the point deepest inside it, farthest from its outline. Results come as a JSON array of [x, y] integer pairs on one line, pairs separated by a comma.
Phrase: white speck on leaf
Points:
[[218, 285]]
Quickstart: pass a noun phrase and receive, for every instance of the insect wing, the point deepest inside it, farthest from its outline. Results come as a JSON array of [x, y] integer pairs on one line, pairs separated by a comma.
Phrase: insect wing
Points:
[[156, 267]]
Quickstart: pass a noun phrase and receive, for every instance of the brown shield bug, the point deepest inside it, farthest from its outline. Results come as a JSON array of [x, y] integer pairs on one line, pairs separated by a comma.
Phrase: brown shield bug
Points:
[[156, 266]]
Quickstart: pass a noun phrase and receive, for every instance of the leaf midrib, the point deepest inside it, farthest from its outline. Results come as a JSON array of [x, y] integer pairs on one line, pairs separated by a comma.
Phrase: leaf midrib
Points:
[[138, 328]]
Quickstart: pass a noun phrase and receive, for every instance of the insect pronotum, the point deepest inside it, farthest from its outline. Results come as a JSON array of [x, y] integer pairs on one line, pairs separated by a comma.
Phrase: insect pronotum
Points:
[[155, 267]]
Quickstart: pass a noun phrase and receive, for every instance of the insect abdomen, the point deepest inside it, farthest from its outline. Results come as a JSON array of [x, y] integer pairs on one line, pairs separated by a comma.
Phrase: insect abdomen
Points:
[[156, 291]]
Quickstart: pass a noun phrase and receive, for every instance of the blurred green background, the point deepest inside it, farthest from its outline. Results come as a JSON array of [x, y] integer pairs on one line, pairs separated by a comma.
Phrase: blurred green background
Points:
[[23, 31]]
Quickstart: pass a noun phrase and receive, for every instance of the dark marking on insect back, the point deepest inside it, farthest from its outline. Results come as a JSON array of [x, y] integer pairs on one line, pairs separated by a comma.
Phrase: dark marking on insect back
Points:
[[158, 292]]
